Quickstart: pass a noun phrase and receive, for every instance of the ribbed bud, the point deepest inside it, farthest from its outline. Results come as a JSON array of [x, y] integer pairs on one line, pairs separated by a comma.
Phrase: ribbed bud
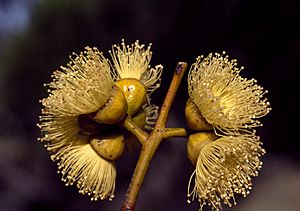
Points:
[[114, 110], [109, 147], [193, 117]]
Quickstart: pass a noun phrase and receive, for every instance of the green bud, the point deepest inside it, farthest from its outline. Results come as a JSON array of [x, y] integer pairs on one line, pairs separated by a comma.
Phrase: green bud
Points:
[[140, 118], [109, 147]]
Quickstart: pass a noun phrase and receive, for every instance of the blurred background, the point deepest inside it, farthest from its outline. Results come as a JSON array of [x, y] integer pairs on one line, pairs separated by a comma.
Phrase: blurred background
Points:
[[36, 37]]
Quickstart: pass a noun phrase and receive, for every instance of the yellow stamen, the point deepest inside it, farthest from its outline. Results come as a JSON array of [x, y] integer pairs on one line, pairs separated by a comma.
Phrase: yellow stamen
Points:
[[132, 61], [225, 99], [93, 175], [225, 167]]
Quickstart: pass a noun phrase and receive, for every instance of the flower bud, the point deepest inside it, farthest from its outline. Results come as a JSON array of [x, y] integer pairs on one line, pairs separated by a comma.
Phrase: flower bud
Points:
[[114, 110], [195, 144], [109, 147], [140, 118], [135, 94], [193, 117]]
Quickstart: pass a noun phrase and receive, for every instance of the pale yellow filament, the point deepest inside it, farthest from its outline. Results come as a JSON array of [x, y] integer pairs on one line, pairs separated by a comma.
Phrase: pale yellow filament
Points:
[[132, 61], [225, 167], [226, 100], [82, 87], [151, 112], [93, 175]]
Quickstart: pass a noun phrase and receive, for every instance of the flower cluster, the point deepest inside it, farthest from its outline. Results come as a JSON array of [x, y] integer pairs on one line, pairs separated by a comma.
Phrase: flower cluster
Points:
[[88, 85], [232, 105], [89, 98]]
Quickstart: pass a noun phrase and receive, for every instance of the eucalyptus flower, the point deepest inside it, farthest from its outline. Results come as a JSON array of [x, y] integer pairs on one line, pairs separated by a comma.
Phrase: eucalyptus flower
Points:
[[229, 102], [83, 87], [81, 164], [222, 100], [132, 62], [96, 108], [86, 99], [224, 167], [133, 73]]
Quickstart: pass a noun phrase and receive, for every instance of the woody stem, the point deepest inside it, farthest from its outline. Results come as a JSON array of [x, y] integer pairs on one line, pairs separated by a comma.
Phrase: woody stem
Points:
[[151, 143]]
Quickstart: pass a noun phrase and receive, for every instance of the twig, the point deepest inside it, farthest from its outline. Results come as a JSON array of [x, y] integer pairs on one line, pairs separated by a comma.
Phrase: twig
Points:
[[136, 130], [150, 145]]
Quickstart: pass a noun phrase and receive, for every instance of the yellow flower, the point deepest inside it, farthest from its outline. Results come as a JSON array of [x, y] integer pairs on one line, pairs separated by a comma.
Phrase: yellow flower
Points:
[[226, 100], [80, 164], [132, 62], [133, 74], [225, 167], [82, 87]]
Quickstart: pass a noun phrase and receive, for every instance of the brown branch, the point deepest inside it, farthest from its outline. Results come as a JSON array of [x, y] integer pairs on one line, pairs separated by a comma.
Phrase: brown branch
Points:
[[150, 145]]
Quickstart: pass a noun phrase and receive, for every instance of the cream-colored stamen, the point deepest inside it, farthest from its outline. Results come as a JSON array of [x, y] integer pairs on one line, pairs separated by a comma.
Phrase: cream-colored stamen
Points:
[[132, 61], [225, 167], [226, 100]]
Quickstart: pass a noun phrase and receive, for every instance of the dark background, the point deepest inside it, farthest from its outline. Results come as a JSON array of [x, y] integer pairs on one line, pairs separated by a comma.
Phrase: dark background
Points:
[[36, 37]]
